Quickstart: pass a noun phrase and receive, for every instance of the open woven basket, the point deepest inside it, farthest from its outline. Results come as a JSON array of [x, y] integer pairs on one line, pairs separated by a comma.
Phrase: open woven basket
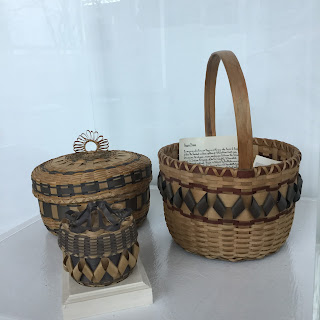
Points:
[[226, 213]]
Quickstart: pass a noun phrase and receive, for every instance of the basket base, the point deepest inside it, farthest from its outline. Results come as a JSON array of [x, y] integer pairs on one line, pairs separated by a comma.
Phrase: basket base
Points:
[[227, 241], [82, 301], [101, 271], [231, 259], [125, 276]]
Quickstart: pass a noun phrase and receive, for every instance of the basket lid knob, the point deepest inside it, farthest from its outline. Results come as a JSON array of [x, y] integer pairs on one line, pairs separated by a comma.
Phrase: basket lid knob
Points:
[[89, 137]]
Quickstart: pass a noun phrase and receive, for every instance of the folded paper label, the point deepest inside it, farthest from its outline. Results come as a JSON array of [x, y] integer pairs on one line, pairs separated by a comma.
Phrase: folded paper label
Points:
[[263, 161], [219, 151], [210, 151]]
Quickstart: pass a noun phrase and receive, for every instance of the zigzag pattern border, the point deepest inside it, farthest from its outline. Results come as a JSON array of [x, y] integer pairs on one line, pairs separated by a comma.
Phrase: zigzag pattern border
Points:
[[290, 163]]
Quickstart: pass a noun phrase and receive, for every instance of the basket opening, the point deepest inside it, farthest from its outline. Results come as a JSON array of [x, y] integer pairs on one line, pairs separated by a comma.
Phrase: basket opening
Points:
[[271, 149], [273, 152]]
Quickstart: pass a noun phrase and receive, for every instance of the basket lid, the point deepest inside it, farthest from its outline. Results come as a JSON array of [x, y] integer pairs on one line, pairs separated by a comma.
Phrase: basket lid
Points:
[[89, 172]]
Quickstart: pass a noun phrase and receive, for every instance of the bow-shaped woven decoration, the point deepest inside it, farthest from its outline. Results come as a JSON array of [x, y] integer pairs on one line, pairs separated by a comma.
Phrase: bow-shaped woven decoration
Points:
[[97, 215]]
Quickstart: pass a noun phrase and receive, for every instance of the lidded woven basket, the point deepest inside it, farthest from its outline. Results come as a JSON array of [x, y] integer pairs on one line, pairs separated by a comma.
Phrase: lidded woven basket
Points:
[[227, 213], [69, 182], [99, 245]]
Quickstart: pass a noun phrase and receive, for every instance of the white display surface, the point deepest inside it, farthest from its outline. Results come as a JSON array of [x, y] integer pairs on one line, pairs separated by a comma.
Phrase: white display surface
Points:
[[185, 286], [80, 301]]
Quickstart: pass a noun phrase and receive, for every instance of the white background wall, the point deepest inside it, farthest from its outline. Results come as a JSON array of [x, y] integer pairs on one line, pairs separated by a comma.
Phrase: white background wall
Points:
[[134, 70]]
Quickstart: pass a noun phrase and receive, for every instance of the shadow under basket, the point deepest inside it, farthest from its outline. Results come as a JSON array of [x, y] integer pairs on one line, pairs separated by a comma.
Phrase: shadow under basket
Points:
[[226, 213]]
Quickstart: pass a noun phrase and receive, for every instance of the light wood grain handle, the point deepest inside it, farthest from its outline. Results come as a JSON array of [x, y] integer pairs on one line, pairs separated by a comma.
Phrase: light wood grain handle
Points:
[[240, 103]]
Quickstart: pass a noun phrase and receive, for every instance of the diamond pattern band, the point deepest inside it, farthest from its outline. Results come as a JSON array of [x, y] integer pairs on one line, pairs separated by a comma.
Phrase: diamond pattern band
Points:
[[101, 271], [176, 199]]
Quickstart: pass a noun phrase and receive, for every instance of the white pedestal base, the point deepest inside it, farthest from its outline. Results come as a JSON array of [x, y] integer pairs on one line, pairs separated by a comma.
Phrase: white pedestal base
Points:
[[81, 302]]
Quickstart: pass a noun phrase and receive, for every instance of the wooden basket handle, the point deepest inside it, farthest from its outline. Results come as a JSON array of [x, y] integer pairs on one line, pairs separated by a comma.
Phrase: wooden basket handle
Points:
[[240, 103]]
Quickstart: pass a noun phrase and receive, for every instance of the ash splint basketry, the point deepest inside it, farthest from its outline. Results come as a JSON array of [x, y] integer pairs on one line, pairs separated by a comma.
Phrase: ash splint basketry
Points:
[[226, 213], [99, 245], [69, 182]]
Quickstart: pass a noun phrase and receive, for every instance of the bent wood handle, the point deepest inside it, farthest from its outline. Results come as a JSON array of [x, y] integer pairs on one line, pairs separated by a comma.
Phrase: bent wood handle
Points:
[[240, 103]]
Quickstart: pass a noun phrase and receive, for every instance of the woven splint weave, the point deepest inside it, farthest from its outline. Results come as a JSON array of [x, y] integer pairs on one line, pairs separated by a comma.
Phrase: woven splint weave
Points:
[[227, 213], [99, 245], [69, 182]]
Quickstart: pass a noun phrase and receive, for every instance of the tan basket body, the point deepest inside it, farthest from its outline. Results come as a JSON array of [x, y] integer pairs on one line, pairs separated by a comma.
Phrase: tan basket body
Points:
[[70, 182], [226, 213], [52, 213], [245, 237], [99, 259], [92, 273]]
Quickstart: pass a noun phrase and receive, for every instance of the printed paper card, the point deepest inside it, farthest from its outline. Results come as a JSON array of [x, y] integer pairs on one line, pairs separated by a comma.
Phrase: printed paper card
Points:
[[219, 151]]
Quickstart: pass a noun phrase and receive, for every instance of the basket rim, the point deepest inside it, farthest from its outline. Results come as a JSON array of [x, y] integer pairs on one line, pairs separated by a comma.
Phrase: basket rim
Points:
[[119, 240], [100, 234], [287, 164]]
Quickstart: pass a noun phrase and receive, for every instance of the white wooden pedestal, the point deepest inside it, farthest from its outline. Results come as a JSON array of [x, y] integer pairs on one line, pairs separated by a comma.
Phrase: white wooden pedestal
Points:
[[81, 301]]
